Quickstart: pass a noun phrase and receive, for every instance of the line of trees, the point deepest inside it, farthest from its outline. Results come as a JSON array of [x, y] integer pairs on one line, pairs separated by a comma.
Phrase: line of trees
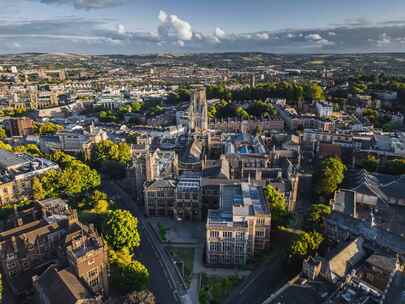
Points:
[[290, 90]]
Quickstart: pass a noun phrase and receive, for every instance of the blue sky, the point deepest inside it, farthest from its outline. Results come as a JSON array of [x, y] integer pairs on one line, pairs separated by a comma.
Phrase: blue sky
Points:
[[141, 26]]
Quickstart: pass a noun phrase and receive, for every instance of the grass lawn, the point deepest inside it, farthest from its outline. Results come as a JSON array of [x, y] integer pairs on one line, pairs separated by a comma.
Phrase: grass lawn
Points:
[[186, 255], [162, 232], [215, 289]]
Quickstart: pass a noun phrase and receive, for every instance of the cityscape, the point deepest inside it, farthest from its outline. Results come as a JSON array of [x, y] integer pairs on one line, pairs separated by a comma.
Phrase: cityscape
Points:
[[183, 166]]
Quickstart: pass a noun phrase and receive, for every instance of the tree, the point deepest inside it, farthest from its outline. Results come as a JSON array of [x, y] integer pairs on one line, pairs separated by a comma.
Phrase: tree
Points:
[[107, 150], [277, 204], [140, 297], [133, 276], [74, 178], [121, 230], [394, 166], [38, 191], [2, 133], [137, 106], [4, 146], [127, 274], [31, 149], [317, 215], [47, 128], [329, 176], [306, 244], [370, 164]]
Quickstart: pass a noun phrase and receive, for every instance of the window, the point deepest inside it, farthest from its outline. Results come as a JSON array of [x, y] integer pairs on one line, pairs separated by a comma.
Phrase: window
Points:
[[259, 233], [214, 234], [227, 234], [94, 282], [92, 273]]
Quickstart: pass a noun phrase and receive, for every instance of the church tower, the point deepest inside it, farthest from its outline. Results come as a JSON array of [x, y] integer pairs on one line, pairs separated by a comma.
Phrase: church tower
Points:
[[199, 115]]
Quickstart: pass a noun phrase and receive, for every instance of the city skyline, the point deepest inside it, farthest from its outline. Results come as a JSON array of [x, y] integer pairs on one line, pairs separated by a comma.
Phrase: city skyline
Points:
[[139, 27]]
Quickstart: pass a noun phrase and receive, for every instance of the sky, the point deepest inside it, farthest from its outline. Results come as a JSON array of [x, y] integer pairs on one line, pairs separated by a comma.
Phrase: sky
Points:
[[180, 26]]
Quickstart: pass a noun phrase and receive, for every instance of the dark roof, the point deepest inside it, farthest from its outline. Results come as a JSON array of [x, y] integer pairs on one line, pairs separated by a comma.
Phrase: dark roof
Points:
[[62, 286], [345, 202], [387, 263]]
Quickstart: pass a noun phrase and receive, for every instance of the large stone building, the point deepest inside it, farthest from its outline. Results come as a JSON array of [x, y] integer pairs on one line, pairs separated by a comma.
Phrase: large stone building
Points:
[[17, 172], [180, 197], [18, 126], [240, 228], [195, 117], [49, 234]]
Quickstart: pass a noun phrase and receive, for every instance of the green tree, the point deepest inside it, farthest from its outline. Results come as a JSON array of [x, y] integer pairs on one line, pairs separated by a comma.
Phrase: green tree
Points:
[[107, 150], [47, 128], [394, 167], [329, 176], [306, 244], [277, 204], [133, 276], [140, 297], [317, 215], [121, 230], [2, 133], [31, 149], [127, 274], [370, 164], [4, 146], [137, 106], [38, 191]]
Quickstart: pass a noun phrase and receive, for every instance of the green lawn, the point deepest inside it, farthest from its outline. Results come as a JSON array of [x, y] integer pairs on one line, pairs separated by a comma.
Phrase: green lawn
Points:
[[215, 289], [186, 255]]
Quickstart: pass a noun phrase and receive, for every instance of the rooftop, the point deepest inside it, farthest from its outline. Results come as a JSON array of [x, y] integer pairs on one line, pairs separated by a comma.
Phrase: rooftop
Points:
[[237, 202]]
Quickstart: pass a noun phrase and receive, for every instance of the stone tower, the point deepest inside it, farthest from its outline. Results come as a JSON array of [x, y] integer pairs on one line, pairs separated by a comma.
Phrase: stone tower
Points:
[[199, 109]]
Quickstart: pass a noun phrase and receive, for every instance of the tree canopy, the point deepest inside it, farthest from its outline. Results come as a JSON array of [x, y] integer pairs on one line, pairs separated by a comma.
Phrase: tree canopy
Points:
[[107, 150], [329, 176], [47, 128], [74, 178], [121, 230], [317, 215], [128, 275], [277, 204], [306, 244]]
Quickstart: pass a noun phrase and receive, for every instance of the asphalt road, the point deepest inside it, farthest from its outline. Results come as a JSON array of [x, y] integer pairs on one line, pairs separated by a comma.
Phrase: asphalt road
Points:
[[159, 284], [268, 279]]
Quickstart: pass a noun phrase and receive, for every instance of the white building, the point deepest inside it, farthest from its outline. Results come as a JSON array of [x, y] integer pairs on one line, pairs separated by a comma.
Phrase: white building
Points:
[[324, 109]]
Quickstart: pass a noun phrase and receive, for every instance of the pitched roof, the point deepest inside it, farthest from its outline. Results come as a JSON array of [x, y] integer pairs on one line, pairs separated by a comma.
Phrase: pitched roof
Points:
[[62, 286], [349, 256]]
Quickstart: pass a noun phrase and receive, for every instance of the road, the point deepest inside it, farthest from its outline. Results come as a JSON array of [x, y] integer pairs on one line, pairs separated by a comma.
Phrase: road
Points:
[[262, 283], [164, 279]]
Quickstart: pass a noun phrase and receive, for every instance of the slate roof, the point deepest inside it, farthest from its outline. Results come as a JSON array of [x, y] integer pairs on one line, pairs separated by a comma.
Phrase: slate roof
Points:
[[62, 286]]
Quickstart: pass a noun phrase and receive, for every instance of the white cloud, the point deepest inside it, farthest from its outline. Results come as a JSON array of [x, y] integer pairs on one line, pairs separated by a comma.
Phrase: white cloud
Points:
[[383, 40], [86, 4], [180, 43], [290, 35], [331, 33], [173, 26], [219, 33], [313, 37], [263, 36], [121, 29]]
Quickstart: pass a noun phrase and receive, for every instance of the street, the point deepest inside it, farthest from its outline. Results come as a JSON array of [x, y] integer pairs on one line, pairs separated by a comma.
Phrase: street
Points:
[[159, 283], [262, 283]]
